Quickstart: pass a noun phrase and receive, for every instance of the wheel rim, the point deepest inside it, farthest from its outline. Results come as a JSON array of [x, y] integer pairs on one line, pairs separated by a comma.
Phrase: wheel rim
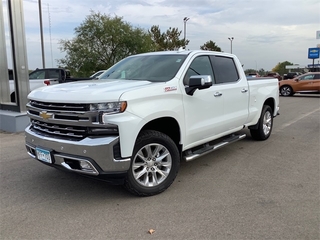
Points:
[[267, 123], [151, 165], [285, 91]]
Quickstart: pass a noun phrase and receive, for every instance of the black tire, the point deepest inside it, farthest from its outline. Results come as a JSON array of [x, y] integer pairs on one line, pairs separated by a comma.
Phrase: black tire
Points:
[[286, 91], [265, 125], [155, 163]]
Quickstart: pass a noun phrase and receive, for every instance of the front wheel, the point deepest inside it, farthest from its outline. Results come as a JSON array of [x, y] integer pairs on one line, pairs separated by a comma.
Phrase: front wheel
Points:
[[265, 125], [154, 165], [286, 91]]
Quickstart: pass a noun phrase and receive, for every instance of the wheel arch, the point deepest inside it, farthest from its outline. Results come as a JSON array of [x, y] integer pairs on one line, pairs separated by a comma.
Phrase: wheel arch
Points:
[[270, 102], [168, 126]]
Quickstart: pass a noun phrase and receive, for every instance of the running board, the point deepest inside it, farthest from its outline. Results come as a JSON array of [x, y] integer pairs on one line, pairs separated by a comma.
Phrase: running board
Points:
[[208, 148]]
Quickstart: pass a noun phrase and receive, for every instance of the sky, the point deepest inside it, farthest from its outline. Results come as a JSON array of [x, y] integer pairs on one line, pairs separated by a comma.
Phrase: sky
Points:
[[265, 32]]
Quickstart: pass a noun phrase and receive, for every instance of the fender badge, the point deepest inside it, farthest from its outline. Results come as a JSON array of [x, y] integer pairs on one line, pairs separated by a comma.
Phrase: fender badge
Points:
[[169, 89]]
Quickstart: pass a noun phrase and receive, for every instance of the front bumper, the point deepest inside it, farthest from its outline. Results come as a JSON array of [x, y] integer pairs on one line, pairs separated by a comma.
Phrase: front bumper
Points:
[[90, 156]]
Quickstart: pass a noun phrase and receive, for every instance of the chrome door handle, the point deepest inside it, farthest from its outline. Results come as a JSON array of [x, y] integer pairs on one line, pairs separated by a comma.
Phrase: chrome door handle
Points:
[[244, 90], [218, 94]]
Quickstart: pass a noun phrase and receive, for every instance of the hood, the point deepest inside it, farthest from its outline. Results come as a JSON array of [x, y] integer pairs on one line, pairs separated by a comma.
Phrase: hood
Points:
[[92, 91]]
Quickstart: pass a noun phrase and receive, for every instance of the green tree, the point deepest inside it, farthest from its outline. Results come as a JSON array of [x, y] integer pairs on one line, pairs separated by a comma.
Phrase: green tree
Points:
[[100, 42], [281, 67], [169, 40], [210, 46]]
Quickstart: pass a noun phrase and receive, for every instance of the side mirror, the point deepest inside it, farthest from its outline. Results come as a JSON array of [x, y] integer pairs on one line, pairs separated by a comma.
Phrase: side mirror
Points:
[[198, 82]]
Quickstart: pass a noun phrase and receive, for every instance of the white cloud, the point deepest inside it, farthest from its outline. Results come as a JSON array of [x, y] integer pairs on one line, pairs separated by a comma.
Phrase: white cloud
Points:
[[265, 31]]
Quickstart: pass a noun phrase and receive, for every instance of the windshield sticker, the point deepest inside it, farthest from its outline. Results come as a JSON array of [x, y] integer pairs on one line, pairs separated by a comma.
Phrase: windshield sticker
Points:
[[169, 89], [178, 60]]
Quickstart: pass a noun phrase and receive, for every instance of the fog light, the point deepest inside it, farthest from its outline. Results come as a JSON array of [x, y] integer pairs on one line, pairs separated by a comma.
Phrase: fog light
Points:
[[85, 165]]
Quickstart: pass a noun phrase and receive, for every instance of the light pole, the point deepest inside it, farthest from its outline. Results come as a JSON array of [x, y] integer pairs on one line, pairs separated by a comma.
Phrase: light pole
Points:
[[231, 39], [41, 33], [185, 30]]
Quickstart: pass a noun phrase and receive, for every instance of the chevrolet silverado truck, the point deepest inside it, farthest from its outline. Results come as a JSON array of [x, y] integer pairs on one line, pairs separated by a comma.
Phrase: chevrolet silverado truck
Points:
[[43, 77], [145, 114]]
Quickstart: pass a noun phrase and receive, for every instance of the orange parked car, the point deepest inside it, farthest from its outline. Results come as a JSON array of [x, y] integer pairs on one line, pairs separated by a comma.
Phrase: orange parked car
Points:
[[306, 83]]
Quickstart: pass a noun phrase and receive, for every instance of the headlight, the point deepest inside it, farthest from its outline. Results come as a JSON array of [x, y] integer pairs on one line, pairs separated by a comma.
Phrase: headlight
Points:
[[110, 107]]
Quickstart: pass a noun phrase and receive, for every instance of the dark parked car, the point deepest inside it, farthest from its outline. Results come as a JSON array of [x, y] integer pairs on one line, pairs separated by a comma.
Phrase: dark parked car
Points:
[[291, 75]]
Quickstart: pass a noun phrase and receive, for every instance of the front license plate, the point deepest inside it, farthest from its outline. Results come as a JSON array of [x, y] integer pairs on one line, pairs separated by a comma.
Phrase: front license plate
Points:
[[43, 155]]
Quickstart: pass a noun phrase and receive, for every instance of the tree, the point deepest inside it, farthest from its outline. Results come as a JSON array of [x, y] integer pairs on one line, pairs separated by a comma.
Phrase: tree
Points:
[[168, 40], [281, 67], [210, 46], [100, 42]]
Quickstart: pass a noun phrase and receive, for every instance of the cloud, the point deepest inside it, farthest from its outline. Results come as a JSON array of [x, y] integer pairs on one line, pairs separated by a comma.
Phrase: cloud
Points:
[[264, 31]]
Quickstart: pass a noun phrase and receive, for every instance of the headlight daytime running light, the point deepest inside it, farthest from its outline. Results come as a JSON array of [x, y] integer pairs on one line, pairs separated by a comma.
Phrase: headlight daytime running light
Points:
[[109, 107]]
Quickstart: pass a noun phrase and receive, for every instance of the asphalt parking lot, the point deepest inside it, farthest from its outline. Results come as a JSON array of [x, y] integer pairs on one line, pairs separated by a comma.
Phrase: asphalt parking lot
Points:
[[247, 190]]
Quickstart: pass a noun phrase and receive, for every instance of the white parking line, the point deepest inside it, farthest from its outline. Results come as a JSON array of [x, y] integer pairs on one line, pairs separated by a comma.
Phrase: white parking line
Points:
[[297, 119]]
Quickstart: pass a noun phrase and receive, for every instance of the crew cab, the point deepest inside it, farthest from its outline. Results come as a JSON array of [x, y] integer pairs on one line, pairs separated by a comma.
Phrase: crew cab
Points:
[[145, 114]]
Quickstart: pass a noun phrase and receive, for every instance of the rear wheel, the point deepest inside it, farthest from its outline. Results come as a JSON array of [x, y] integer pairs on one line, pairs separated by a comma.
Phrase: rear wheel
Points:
[[265, 125], [286, 91], [154, 165]]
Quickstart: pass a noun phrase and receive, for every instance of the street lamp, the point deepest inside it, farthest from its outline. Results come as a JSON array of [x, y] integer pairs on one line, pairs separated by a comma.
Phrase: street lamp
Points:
[[231, 39], [185, 30], [41, 33]]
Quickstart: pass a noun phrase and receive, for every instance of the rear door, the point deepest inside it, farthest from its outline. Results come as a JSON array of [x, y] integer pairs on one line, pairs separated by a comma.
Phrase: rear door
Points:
[[234, 91]]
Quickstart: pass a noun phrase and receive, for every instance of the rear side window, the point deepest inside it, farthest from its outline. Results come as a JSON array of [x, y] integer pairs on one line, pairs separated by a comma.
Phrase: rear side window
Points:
[[224, 69], [53, 73]]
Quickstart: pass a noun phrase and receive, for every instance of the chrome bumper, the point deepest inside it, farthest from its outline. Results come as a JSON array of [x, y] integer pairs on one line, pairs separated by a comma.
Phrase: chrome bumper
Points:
[[91, 156]]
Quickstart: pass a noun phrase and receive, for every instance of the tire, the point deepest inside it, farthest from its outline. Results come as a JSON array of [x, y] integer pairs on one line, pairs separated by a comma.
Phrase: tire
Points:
[[265, 125], [154, 164], [286, 91]]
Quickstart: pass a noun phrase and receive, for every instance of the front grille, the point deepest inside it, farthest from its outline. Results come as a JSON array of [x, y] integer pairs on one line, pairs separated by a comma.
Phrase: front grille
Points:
[[59, 130], [74, 107], [67, 121]]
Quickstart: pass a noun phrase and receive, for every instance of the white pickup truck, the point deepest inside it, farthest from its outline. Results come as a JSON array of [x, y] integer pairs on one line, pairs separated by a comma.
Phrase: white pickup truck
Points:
[[38, 78], [146, 113]]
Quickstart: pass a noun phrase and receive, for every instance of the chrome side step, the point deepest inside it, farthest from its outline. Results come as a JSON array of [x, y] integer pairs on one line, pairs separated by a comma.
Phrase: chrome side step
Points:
[[210, 147]]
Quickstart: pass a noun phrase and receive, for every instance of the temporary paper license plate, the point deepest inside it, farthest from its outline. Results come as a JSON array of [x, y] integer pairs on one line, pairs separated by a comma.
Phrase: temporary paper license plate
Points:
[[43, 155]]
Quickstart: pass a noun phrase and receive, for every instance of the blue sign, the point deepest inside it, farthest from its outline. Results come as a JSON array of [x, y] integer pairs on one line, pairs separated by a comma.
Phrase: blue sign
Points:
[[314, 65], [313, 53]]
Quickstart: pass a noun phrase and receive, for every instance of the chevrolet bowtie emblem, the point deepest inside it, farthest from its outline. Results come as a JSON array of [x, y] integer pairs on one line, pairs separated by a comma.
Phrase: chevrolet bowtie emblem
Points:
[[45, 115]]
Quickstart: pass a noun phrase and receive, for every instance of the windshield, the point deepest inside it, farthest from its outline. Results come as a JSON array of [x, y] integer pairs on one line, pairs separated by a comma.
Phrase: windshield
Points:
[[153, 68]]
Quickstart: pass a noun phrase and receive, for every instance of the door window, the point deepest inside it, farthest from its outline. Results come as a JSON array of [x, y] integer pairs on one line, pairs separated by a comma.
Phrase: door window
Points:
[[37, 75], [200, 66], [307, 77]]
